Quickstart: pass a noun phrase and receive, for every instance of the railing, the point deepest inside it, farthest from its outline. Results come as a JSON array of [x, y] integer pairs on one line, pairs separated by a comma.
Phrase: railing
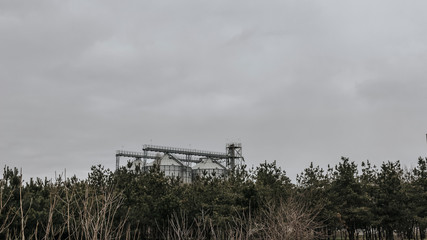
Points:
[[123, 153], [184, 151]]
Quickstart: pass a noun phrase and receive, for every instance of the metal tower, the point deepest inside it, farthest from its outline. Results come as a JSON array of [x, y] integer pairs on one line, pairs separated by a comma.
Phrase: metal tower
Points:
[[234, 153]]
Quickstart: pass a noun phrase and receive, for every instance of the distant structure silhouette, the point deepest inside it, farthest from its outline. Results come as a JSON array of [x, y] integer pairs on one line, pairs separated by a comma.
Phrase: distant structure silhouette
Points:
[[183, 162]]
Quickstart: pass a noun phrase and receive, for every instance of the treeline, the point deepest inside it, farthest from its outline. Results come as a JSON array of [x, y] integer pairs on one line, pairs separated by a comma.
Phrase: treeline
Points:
[[379, 203], [342, 202]]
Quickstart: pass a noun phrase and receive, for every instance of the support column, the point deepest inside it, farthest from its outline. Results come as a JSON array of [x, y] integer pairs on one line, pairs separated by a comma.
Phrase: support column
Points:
[[117, 162]]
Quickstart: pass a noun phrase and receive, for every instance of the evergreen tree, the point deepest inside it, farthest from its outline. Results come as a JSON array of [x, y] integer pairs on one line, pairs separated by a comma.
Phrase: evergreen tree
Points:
[[391, 200], [348, 196], [420, 197]]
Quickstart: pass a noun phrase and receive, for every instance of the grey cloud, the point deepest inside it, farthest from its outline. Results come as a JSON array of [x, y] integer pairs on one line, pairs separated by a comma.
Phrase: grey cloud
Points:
[[295, 81]]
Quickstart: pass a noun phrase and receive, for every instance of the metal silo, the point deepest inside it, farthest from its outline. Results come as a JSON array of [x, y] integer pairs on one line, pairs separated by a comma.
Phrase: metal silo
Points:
[[172, 167], [209, 167]]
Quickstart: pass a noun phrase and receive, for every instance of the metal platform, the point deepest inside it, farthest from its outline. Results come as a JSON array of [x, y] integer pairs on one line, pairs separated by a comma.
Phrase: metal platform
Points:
[[185, 151]]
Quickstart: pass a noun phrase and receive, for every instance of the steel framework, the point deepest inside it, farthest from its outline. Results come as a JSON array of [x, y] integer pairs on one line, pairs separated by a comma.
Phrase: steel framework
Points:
[[233, 154]]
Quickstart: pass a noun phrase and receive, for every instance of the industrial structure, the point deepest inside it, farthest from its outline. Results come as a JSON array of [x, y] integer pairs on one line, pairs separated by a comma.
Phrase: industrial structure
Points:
[[184, 163]]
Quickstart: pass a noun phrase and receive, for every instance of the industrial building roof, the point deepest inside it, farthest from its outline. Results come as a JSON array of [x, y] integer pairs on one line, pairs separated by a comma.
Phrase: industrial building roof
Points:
[[208, 164], [167, 160]]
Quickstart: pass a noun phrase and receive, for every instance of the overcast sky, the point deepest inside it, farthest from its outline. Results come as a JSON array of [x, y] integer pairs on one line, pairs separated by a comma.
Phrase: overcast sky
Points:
[[293, 81]]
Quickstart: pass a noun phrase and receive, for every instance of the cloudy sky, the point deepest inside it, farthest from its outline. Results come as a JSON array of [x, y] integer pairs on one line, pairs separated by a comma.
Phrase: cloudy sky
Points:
[[294, 81]]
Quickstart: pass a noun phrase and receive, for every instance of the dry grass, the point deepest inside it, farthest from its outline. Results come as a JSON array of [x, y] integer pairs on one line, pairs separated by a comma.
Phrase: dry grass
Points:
[[290, 220], [88, 216]]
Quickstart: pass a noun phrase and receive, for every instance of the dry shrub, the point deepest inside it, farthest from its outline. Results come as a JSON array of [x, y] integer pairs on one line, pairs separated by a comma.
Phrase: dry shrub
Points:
[[287, 220], [181, 227], [91, 216], [291, 220], [6, 213], [87, 214]]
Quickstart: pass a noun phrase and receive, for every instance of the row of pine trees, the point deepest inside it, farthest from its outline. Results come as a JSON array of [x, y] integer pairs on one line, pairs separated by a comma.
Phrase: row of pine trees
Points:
[[345, 201]]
